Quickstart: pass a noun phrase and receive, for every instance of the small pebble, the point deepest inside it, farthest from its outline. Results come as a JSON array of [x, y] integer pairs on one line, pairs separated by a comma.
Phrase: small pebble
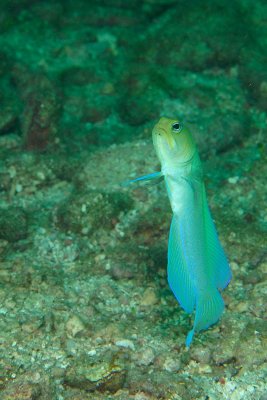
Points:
[[146, 357], [226, 356], [172, 365], [128, 344], [74, 326], [201, 354], [242, 307], [233, 179], [149, 297], [205, 369], [141, 396]]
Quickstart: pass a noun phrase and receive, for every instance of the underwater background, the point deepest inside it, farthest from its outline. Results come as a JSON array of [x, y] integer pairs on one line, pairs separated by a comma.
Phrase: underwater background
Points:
[[85, 308]]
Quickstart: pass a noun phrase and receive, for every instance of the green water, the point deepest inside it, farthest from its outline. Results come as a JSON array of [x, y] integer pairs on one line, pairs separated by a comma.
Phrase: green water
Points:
[[85, 308]]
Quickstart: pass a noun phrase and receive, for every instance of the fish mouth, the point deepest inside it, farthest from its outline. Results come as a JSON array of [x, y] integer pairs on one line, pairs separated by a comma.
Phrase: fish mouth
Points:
[[161, 132]]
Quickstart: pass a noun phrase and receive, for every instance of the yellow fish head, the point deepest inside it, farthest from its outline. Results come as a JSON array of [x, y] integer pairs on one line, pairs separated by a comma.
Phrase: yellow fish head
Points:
[[172, 141]]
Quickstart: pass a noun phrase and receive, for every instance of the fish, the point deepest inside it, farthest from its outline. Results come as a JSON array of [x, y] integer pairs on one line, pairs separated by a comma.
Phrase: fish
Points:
[[197, 268]]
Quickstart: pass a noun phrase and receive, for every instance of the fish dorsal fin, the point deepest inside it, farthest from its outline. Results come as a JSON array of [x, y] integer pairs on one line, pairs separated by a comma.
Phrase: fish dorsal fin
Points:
[[218, 265]]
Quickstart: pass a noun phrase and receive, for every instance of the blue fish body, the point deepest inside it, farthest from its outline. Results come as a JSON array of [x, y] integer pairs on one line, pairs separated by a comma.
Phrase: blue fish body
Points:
[[197, 266]]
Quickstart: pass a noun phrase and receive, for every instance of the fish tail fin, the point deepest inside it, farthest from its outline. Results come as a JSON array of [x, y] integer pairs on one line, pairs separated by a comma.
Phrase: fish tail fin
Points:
[[209, 308]]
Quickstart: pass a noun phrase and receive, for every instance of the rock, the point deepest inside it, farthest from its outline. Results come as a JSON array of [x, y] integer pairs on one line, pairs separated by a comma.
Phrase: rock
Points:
[[122, 271], [8, 120], [194, 45], [26, 386], [41, 106], [102, 376], [22, 391], [87, 212]]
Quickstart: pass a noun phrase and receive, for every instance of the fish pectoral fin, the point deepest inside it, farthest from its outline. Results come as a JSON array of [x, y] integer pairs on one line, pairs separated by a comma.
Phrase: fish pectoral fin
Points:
[[155, 176]]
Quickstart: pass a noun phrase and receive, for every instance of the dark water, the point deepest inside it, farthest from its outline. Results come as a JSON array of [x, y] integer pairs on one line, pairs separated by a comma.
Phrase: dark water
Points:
[[85, 309]]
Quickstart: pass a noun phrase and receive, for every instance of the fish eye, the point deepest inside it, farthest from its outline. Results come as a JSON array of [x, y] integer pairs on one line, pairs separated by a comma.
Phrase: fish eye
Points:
[[176, 127]]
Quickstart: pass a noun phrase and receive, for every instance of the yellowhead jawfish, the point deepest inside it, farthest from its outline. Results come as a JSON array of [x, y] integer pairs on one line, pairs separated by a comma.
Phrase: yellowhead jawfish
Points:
[[197, 266]]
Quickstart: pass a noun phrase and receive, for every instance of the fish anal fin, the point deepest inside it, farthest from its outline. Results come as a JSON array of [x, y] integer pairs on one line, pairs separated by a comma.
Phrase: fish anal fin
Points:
[[178, 275]]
